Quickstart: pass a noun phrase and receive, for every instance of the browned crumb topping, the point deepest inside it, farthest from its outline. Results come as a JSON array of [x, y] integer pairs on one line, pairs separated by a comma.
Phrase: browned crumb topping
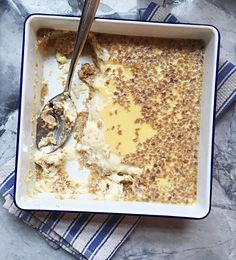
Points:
[[43, 37], [136, 135], [44, 93], [80, 125], [65, 42], [67, 109], [86, 71], [100, 124], [97, 174], [49, 121], [166, 83], [60, 41], [48, 140], [51, 175]]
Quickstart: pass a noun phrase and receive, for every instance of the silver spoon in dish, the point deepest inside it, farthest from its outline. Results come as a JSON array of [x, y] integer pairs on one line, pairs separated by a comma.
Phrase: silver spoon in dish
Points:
[[57, 118]]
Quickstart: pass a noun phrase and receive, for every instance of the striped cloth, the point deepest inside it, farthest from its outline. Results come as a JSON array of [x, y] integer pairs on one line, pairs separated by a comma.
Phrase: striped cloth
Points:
[[85, 235], [98, 236]]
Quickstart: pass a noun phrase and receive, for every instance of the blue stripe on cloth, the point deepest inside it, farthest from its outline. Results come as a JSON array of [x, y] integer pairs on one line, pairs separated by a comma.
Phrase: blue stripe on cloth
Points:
[[226, 78], [152, 13], [151, 10], [25, 216], [107, 237], [43, 221], [7, 184], [124, 237], [222, 66], [82, 228], [63, 243], [104, 222], [172, 19], [31, 215], [79, 224], [51, 222], [226, 104], [167, 17], [224, 73], [68, 229], [9, 191], [101, 234], [148, 11]]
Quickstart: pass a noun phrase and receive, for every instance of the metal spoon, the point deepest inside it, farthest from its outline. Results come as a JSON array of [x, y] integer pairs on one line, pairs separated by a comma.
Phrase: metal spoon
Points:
[[61, 130]]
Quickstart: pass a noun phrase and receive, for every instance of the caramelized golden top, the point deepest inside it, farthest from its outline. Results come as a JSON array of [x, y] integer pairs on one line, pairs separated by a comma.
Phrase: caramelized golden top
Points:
[[154, 94], [150, 117]]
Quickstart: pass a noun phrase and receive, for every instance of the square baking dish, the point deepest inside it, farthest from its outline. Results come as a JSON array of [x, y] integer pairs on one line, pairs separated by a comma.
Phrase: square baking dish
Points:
[[207, 33]]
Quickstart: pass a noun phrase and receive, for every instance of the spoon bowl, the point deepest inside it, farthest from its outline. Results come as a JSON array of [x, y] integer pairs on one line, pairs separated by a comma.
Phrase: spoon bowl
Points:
[[49, 139]]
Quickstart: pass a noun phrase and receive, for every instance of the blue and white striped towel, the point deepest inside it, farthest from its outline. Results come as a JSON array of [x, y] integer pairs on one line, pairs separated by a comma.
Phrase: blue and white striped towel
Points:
[[98, 236], [86, 236]]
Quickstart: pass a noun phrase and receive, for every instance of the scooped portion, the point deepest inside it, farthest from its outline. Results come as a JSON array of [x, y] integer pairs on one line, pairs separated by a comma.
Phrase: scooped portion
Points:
[[55, 123]]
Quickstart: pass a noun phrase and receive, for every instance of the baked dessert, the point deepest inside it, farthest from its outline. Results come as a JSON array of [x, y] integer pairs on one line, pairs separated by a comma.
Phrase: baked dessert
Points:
[[137, 136]]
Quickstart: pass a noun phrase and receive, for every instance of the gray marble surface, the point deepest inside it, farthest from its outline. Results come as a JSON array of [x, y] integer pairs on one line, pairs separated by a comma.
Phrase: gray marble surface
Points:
[[155, 238]]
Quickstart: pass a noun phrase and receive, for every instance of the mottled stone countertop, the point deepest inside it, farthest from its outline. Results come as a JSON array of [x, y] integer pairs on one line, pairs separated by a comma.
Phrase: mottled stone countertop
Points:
[[155, 238]]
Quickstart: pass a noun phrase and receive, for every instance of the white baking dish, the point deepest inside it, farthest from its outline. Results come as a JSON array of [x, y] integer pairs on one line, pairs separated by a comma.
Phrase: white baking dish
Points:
[[46, 202]]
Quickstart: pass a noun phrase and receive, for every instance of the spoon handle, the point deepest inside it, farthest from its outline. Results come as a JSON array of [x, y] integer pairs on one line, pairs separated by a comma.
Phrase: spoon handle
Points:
[[87, 18]]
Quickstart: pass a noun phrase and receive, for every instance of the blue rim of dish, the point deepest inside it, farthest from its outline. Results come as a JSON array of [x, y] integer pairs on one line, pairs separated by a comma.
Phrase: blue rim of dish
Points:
[[213, 121]]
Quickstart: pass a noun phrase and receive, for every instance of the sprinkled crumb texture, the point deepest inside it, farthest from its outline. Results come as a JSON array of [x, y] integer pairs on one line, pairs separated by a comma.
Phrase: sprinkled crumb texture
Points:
[[49, 170], [166, 83], [139, 134]]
